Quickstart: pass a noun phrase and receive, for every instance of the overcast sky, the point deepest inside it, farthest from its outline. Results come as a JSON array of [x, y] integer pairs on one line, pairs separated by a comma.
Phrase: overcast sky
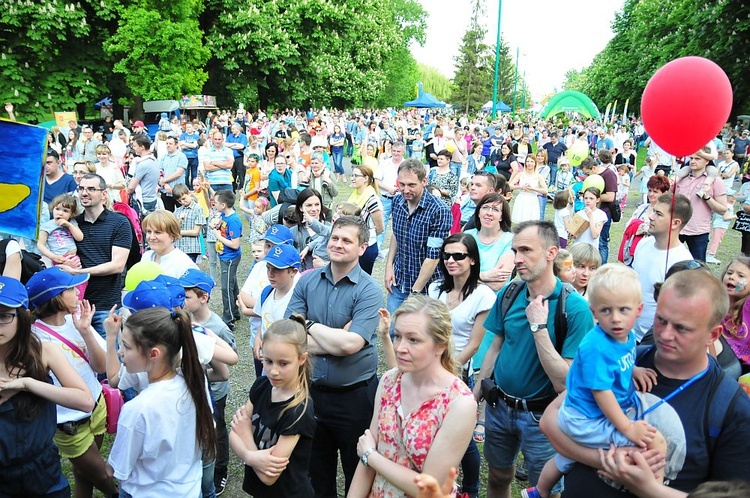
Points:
[[553, 35]]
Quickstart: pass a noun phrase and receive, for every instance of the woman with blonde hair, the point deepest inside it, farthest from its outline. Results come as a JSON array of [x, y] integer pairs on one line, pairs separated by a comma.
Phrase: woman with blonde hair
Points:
[[424, 398], [111, 173], [366, 196], [161, 230]]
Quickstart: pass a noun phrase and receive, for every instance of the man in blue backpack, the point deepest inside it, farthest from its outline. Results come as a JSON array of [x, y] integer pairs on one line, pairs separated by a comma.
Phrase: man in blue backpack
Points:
[[703, 414]]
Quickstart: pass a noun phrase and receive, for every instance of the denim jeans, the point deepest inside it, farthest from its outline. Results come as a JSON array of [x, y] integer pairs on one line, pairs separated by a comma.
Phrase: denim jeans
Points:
[[470, 464], [221, 186], [97, 321], [338, 161], [230, 289], [542, 205], [697, 244], [191, 172], [208, 489], [507, 430], [387, 210], [456, 169], [604, 241], [552, 173]]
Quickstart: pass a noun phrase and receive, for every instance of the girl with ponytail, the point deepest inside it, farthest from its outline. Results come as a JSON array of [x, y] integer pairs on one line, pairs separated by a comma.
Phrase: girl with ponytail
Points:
[[272, 434], [164, 430]]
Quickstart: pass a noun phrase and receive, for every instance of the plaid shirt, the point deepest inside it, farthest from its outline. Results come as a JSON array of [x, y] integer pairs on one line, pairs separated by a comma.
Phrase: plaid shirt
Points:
[[189, 217], [419, 236]]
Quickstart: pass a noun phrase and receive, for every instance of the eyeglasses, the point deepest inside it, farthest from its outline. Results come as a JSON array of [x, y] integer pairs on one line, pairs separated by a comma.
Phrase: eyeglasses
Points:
[[90, 190], [457, 256], [357, 176], [6, 318]]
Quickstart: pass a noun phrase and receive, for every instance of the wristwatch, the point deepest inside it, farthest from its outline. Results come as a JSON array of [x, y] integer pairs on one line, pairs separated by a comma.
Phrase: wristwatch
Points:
[[367, 453], [535, 327], [310, 323]]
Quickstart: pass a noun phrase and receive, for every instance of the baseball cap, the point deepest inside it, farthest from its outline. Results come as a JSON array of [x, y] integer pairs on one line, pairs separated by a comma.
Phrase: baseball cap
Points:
[[148, 294], [279, 234], [50, 282], [198, 279], [175, 288], [283, 256], [731, 191], [745, 132], [139, 124], [12, 293]]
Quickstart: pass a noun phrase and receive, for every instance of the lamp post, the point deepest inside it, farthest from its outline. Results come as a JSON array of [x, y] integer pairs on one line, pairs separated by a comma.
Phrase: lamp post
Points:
[[515, 81], [523, 95], [497, 60]]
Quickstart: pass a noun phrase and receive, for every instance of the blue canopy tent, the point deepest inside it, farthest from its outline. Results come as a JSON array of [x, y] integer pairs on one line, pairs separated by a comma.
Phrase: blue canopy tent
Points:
[[105, 102], [424, 100], [500, 106]]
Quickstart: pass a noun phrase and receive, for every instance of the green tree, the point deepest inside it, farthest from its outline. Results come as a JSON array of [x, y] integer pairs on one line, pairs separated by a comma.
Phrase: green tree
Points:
[[434, 82], [315, 52], [51, 57], [159, 50]]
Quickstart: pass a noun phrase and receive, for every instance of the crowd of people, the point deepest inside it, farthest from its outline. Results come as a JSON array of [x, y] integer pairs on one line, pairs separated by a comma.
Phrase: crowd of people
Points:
[[505, 326]]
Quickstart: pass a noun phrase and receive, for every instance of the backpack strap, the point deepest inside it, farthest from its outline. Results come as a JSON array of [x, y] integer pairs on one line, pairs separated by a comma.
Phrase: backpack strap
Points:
[[265, 293], [511, 292], [719, 405]]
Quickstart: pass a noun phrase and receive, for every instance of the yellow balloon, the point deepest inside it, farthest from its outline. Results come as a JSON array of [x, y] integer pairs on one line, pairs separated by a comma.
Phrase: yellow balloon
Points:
[[594, 181], [450, 146], [142, 272], [577, 153]]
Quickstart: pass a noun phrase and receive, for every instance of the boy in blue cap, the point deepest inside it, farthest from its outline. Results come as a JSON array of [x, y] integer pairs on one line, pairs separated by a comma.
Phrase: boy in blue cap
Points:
[[198, 286], [282, 267]]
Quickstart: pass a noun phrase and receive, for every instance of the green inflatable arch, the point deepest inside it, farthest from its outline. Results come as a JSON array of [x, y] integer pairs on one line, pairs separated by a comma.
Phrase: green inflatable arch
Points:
[[570, 101]]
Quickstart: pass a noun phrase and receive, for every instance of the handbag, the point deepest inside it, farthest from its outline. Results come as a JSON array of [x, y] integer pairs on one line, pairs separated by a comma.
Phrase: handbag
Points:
[[113, 398]]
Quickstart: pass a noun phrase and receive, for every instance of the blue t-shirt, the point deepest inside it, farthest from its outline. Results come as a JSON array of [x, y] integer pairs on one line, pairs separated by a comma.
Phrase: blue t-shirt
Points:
[[278, 182], [230, 228], [65, 185], [605, 143], [601, 364], [518, 370], [190, 138], [490, 254]]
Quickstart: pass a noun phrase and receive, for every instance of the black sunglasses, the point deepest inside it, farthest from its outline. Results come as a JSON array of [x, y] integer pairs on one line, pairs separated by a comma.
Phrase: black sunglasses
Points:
[[457, 256]]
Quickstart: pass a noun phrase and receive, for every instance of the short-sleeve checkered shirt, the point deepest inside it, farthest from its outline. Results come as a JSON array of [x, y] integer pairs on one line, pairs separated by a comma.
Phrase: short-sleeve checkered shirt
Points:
[[189, 217], [419, 236]]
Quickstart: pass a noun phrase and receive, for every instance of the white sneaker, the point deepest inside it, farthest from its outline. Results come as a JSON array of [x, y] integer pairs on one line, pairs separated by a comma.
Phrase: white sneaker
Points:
[[712, 259]]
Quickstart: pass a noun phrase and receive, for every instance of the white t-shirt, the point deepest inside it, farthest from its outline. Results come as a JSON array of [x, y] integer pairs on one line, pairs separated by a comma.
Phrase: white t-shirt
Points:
[[599, 217], [254, 285], [139, 381], [81, 366], [560, 215], [173, 264], [651, 264], [273, 309], [156, 452], [464, 315]]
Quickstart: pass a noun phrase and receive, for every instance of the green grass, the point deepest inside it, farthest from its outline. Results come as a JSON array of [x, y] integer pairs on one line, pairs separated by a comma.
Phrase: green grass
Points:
[[243, 373]]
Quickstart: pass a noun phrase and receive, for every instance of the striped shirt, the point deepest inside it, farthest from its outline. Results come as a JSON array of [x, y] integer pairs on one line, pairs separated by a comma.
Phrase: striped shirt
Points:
[[220, 176], [419, 236], [189, 217], [170, 163], [107, 231]]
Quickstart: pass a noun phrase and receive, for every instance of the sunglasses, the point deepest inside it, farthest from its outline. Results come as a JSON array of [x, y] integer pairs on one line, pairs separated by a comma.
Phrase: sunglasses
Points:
[[457, 256]]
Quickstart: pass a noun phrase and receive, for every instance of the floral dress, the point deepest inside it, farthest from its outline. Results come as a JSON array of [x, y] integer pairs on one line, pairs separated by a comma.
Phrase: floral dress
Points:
[[406, 438]]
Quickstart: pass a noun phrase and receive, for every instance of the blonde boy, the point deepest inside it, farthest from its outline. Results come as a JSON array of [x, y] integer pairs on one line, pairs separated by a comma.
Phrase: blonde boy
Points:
[[602, 406]]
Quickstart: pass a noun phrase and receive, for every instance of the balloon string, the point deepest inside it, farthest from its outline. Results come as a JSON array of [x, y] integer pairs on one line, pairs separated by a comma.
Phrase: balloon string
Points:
[[671, 218]]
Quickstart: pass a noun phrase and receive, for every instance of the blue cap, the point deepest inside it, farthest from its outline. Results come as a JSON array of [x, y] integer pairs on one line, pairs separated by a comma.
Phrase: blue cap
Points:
[[50, 282], [193, 278], [283, 256], [279, 234], [12, 293], [175, 288], [148, 294]]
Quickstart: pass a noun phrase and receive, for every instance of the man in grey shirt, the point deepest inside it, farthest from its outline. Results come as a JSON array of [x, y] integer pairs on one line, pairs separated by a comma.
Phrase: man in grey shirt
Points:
[[341, 304], [146, 173]]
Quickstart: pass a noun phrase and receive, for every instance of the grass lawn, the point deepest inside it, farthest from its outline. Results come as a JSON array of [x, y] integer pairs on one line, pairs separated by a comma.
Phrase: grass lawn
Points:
[[243, 374]]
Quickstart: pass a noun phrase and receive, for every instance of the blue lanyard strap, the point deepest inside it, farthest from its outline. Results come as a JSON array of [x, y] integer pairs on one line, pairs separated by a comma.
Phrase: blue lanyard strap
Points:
[[677, 391]]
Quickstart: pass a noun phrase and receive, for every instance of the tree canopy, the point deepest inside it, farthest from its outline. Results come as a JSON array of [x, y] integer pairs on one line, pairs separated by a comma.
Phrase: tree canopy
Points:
[[58, 56], [650, 33]]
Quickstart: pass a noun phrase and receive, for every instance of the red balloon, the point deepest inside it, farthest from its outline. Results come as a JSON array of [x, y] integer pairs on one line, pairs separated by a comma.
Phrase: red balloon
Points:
[[685, 104]]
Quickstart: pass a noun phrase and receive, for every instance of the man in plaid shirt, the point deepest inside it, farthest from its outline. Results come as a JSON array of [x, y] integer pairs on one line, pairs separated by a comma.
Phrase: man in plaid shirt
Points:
[[192, 221], [421, 222]]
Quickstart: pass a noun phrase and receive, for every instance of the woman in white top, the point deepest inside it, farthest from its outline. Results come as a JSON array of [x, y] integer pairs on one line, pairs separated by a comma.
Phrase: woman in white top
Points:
[[111, 173], [162, 229], [79, 435], [728, 168], [469, 302], [119, 147]]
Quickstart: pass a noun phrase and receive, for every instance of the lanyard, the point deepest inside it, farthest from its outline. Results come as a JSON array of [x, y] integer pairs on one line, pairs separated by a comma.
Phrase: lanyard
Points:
[[677, 391]]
